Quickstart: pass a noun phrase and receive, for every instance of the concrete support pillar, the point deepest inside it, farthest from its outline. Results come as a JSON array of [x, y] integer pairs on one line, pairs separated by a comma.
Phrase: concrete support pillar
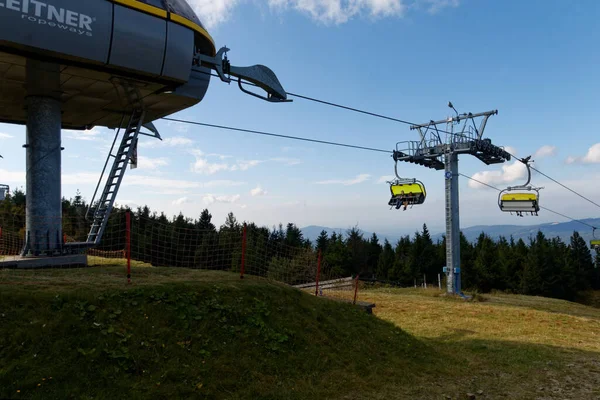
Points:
[[43, 235]]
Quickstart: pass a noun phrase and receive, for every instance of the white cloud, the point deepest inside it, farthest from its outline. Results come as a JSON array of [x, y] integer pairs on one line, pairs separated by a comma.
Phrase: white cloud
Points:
[[258, 191], [129, 203], [152, 163], [213, 12], [154, 182], [167, 142], [181, 200], [385, 178], [571, 160], [245, 165], [339, 11], [12, 176], [229, 199], [80, 178], [219, 156], [435, 6], [591, 157], [358, 179], [174, 186], [89, 134], [545, 151], [509, 174], [5, 136], [203, 166]]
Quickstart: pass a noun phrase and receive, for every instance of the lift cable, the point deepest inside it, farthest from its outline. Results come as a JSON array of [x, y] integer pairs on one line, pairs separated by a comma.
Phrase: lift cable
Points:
[[328, 103], [543, 208], [230, 128]]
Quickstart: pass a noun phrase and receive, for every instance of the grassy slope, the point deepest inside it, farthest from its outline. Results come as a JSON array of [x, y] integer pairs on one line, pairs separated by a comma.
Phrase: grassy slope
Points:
[[508, 346], [197, 334]]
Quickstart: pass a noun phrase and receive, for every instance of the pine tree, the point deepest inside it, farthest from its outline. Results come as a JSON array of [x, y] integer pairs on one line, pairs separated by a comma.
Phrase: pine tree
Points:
[[581, 262], [373, 253], [293, 236], [484, 266], [385, 262], [204, 223], [322, 242]]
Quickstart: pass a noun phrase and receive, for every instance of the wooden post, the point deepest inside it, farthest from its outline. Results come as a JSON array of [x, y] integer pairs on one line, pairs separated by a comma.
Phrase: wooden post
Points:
[[128, 243], [356, 288], [425, 281], [439, 282], [244, 236], [318, 274]]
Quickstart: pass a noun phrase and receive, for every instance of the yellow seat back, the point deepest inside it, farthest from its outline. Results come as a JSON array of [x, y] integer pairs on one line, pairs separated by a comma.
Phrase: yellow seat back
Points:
[[595, 243], [519, 197], [407, 188]]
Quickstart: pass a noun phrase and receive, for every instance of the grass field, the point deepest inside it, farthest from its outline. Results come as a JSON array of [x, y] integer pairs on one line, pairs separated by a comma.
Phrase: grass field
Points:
[[176, 333]]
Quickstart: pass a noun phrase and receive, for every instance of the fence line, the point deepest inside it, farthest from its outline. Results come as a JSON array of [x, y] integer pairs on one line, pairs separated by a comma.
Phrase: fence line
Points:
[[135, 240]]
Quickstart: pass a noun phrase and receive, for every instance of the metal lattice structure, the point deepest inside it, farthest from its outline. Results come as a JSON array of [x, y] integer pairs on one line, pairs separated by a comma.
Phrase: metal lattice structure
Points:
[[439, 149]]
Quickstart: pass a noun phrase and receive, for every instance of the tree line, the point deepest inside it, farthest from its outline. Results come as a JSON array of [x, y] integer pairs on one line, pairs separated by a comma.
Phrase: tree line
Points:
[[541, 266]]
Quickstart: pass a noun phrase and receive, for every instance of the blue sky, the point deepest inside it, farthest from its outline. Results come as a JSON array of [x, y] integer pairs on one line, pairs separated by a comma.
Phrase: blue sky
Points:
[[535, 61]]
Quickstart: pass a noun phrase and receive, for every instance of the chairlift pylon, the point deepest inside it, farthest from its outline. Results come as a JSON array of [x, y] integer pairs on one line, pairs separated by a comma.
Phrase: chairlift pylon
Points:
[[406, 192], [523, 199]]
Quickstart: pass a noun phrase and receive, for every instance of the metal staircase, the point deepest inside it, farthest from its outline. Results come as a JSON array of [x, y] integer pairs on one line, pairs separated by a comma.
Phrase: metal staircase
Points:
[[115, 177], [100, 210]]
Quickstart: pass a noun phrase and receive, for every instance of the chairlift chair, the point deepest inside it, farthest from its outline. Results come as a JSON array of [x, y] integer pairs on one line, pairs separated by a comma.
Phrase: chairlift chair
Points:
[[521, 200], [595, 243], [4, 189], [406, 192]]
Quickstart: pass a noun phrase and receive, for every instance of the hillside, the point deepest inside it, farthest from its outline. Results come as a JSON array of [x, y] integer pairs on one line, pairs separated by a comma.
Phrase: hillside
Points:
[[178, 333]]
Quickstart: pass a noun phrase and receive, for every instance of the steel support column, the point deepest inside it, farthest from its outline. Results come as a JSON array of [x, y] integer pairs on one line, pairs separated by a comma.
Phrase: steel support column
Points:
[[452, 223], [43, 233]]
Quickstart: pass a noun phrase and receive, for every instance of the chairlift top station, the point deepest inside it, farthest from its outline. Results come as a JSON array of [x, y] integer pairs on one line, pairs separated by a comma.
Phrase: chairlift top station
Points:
[[73, 64]]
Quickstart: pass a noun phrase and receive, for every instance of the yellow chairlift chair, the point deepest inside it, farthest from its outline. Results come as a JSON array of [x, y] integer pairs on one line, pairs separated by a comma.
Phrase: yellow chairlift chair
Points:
[[406, 192], [521, 200], [595, 243]]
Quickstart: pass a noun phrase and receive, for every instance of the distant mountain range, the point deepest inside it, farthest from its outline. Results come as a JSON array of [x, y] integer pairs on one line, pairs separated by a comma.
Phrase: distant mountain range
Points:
[[563, 230]]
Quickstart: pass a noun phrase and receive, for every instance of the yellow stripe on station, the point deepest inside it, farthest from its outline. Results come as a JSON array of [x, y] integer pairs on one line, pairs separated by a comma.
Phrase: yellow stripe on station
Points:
[[147, 8], [178, 19], [519, 197]]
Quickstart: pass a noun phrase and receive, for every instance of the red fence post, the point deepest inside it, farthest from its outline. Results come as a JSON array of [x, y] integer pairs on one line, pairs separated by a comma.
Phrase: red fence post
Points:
[[128, 243], [244, 236], [356, 288], [318, 274]]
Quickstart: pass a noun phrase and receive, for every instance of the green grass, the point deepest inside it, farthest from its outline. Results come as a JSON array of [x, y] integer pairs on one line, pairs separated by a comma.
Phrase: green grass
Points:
[[176, 333], [189, 334]]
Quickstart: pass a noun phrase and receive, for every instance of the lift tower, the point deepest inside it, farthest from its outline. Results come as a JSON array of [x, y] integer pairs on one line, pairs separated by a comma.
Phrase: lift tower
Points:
[[439, 149]]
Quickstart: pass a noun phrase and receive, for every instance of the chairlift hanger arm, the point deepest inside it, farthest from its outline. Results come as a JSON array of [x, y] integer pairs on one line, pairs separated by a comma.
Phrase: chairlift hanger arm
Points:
[[458, 118], [258, 75]]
